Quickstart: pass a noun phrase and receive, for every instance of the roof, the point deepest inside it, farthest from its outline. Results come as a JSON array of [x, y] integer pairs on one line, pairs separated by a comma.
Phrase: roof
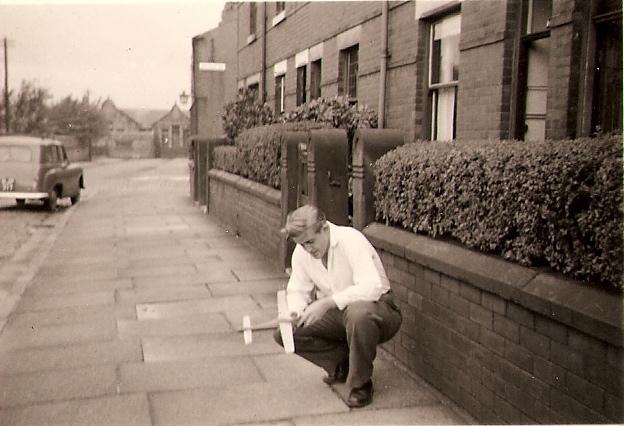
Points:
[[145, 117], [27, 140]]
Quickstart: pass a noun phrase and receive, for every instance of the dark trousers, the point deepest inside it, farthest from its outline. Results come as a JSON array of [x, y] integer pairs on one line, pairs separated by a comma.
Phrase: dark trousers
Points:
[[352, 334]]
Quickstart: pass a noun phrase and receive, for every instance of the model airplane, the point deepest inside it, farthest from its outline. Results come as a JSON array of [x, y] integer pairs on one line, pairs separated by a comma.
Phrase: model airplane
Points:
[[283, 320]]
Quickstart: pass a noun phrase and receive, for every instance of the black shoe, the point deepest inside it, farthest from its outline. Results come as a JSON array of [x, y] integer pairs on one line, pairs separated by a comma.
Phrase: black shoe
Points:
[[339, 375], [362, 396]]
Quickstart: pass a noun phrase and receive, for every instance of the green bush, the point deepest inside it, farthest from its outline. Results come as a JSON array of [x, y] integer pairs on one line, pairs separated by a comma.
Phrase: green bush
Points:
[[257, 153], [554, 203], [336, 112], [225, 158], [245, 112]]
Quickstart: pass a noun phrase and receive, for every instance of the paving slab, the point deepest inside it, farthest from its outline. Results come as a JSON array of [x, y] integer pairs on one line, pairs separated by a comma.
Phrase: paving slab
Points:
[[177, 326], [270, 286], [154, 252], [127, 410], [157, 349], [288, 367], [55, 301], [163, 294], [90, 286], [72, 315], [168, 281], [58, 385], [92, 259], [61, 268], [165, 269], [69, 356], [178, 375], [437, 414], [256, 402], [181, 259], [394, 388], [53, 335], [77, 278], [247, 274], [183, 308]]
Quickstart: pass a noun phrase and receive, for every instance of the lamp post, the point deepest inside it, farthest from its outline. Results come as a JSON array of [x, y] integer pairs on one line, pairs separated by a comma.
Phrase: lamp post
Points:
[[184, 97], [7, 107]]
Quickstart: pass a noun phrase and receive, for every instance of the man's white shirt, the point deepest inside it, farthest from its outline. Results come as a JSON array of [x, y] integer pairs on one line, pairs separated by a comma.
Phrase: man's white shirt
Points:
[[354, 272]]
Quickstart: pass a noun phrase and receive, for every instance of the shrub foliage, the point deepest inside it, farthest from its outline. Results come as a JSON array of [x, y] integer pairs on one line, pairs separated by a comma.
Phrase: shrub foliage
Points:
[[554, 203], [245, 112], [257, 153], [336, 112]]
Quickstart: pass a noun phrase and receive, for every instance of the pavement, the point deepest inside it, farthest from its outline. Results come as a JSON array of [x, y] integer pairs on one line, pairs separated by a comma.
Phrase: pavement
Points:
[[125, 312]]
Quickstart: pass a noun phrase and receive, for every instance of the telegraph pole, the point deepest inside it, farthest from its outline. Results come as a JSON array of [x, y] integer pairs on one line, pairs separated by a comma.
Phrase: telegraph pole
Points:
[[7, 113]]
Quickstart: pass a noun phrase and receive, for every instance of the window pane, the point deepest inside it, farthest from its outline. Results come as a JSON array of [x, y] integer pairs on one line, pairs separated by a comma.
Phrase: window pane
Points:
[[538, 15], [445, 50], [348, 71], [252, 18], [607, 105], [301, 85], [445, 114], [315, 79], [15, 153], [537, 89], [353, 72], [279, 94]]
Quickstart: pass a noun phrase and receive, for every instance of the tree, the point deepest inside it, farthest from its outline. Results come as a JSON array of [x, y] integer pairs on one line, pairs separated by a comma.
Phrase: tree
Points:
[[29, 111], [82, 119]]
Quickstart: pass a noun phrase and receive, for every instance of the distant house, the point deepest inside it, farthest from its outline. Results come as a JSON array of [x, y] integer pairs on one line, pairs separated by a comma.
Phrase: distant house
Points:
[[172, 133], [143, 133], [117, 119]]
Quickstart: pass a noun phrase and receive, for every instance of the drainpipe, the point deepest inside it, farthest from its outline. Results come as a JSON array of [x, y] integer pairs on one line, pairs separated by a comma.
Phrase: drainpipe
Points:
[[264, 48], [384, 65]]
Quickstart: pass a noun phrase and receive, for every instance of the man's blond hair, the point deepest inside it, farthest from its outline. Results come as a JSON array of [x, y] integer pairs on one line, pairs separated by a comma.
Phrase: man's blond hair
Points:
[[302, 219]]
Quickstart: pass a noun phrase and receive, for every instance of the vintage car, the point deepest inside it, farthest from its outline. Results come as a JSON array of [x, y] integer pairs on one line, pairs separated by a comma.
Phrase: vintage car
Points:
[[34, 168]]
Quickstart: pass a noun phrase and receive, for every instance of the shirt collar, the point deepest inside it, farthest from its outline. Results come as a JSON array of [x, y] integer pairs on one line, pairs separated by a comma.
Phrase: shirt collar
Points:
[[333, 234]]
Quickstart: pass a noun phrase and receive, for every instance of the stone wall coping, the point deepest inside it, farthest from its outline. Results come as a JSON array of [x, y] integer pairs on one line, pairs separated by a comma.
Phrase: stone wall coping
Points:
[[267, 193], [585, 308]]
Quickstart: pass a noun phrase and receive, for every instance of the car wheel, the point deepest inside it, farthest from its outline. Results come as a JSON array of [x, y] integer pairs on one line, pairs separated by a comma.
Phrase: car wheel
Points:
[[20, 202], [52, 201], [75, 198]]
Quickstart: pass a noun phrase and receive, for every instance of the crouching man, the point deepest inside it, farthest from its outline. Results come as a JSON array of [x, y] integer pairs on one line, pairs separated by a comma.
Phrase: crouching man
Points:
[[340, 296]]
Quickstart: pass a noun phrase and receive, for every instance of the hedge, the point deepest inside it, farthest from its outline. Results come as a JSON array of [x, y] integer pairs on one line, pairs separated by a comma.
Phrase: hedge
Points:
[[257, 153], [555, 203]]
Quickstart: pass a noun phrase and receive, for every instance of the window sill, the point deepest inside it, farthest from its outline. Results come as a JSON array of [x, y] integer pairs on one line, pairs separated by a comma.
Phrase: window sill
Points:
[[443, 85], [251, 38], [278, 18]]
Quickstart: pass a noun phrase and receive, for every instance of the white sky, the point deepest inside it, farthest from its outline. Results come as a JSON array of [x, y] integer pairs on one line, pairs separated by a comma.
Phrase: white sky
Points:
[[137, 53]]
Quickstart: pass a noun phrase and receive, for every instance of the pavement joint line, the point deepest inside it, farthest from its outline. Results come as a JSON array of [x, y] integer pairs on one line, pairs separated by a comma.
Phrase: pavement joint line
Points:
[[41, 252]]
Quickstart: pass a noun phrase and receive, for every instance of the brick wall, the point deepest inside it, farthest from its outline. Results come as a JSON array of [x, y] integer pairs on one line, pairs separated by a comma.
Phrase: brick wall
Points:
[[139, 144], [248, 209], [506, 343], [485, 83]]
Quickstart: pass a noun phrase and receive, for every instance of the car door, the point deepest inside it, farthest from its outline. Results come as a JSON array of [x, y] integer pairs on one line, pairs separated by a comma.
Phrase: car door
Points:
[[67, 174]]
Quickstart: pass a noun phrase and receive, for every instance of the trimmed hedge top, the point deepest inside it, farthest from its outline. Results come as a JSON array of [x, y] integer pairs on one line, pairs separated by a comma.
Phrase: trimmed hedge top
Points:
[[257, 153], [553, 203]]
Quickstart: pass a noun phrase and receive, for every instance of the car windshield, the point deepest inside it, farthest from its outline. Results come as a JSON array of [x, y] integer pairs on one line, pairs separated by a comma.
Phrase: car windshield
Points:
[[18, 154]]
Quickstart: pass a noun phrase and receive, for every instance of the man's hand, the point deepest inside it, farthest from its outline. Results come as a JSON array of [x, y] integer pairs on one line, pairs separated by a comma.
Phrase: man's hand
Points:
[[315, 311]]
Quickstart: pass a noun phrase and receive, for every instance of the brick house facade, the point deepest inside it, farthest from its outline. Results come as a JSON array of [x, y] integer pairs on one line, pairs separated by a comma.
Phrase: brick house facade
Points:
[[523, 69]]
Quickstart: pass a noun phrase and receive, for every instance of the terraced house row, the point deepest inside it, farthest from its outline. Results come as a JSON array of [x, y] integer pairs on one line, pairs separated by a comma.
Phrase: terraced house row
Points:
[[439, 70]]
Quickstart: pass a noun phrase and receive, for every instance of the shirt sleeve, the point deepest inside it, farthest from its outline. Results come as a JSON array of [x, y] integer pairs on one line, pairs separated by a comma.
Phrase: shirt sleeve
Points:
[[300, 286], [368, 282]]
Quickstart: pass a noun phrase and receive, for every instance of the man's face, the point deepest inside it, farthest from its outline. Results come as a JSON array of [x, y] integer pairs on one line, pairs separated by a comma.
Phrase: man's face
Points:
[[315, 243]]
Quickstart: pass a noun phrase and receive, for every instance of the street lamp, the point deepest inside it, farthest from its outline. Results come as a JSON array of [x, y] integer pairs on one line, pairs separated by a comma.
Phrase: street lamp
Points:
[[184, 97]]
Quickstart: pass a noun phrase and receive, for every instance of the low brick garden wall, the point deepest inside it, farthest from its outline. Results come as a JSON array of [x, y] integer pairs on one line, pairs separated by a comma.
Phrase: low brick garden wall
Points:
[[249, 209], [506, 343]]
